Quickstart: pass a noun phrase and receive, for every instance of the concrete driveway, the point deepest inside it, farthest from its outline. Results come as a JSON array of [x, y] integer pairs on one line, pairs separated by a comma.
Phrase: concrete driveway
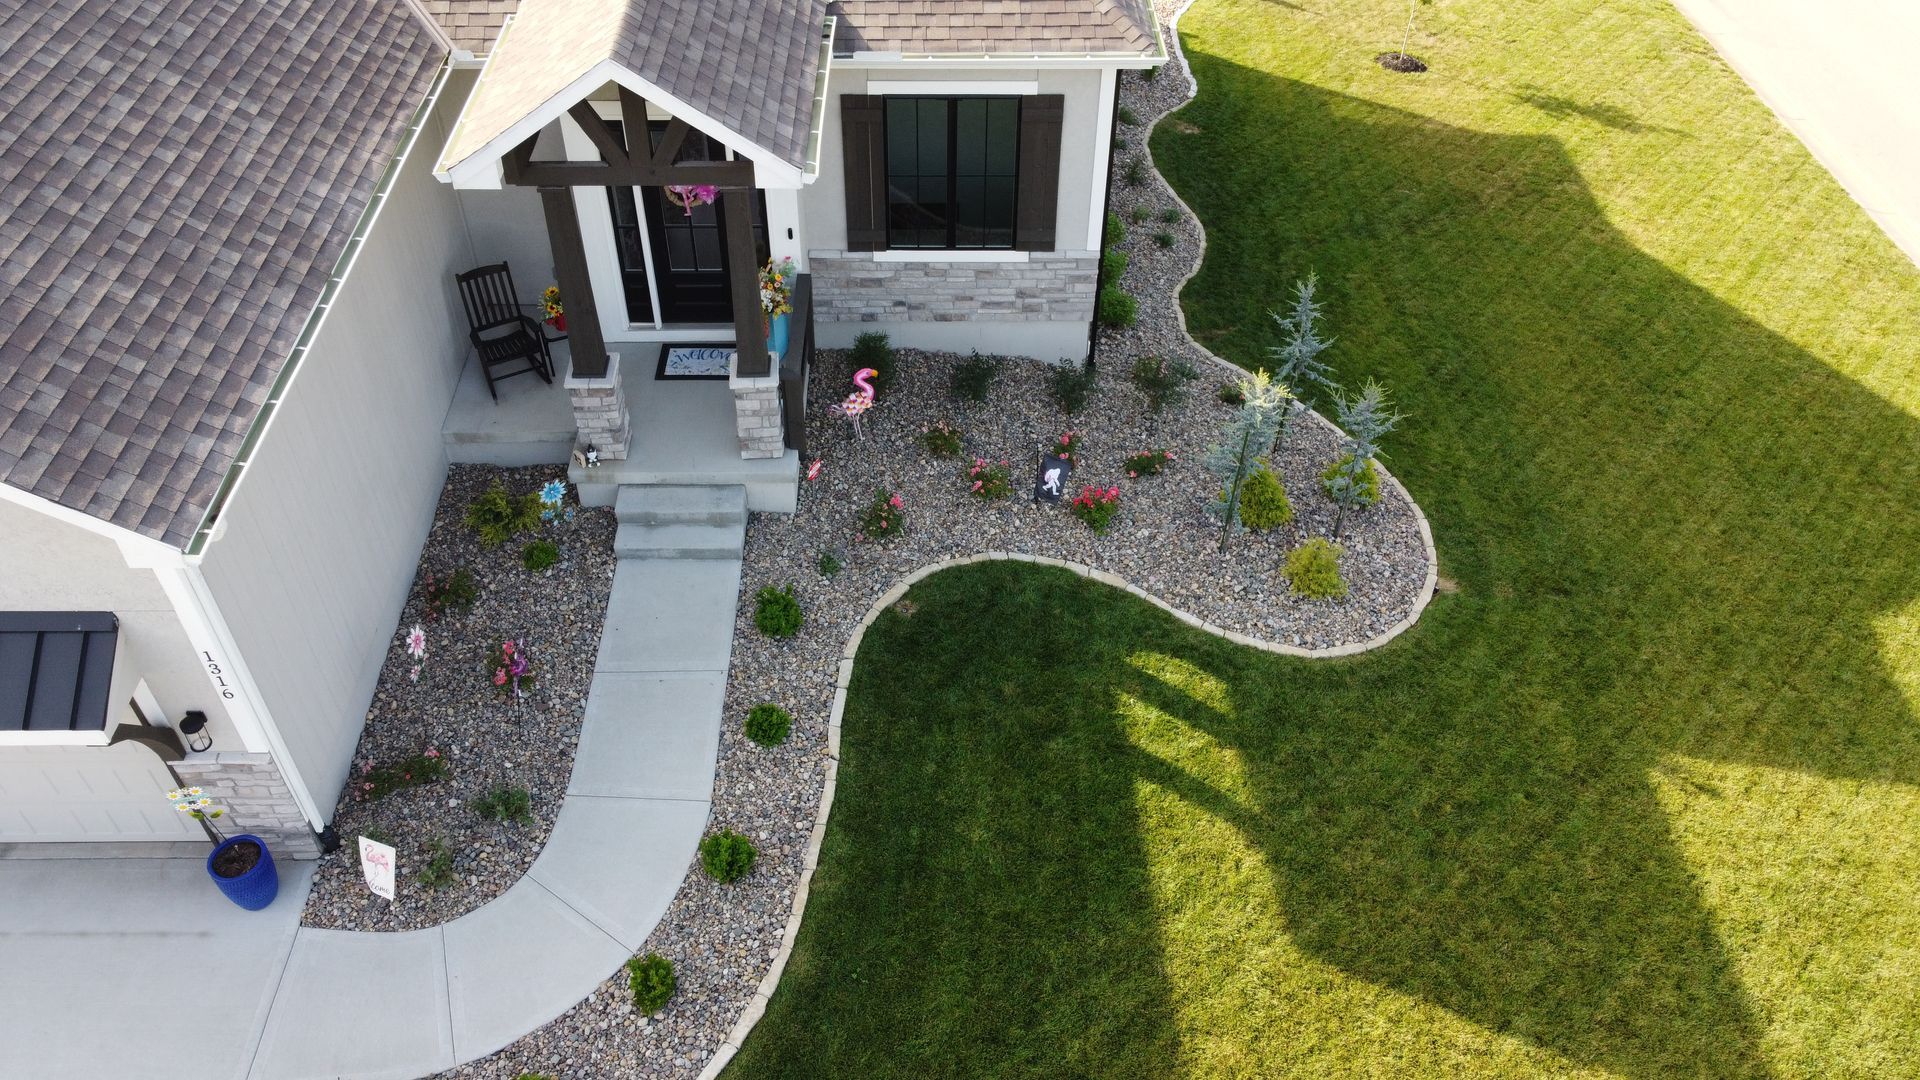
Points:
[[136, 968], [1836, 73]]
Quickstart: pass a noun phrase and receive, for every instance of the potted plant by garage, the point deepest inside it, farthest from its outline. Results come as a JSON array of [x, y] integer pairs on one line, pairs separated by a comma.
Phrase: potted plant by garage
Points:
[[241, 865], [776, 302]]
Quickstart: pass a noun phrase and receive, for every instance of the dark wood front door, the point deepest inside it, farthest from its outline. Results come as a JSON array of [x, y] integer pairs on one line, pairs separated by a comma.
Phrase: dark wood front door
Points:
[[690, 247]]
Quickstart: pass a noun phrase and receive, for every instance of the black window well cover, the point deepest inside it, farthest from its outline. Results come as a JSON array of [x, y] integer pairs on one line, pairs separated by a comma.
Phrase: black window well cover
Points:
[[56, 669]]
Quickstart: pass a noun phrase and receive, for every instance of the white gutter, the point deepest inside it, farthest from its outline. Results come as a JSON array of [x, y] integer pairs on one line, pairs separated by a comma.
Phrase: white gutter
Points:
[[810, 171]]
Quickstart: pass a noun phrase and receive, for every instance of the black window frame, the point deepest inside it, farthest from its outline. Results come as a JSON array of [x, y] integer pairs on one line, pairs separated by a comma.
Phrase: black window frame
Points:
[[953, 179]]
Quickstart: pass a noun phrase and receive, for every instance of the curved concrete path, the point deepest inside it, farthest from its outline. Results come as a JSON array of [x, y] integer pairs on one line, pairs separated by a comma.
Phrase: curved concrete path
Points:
[[415, 1003]]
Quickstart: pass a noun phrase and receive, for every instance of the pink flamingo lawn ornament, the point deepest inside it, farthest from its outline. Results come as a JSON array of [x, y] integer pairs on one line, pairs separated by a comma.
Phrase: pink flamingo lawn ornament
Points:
[[857, 402]]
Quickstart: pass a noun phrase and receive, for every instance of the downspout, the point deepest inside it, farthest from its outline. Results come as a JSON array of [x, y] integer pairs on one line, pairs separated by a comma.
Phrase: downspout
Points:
[[1106, 208]]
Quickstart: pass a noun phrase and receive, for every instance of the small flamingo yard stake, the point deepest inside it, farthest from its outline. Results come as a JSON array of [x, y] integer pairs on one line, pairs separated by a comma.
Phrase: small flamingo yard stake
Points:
[[857, 402]]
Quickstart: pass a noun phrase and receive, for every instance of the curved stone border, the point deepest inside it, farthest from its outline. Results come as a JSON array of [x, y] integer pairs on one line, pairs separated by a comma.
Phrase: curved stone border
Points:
[[757, 1006]]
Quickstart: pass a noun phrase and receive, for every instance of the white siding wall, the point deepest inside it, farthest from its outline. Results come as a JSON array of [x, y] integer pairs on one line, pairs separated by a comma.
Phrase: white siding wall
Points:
[[508, 225], [823, 211], [53, 566], [322, 536]]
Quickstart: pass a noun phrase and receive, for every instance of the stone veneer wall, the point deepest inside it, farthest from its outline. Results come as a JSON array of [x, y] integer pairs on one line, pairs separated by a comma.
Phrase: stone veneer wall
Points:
[[1051, 287], [256, 798]]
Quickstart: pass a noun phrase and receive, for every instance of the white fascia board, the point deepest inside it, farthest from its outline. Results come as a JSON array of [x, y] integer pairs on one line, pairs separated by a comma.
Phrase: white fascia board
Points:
[[484, 163], [139, 551], [953, 87], [53, 738], [1045, 61]]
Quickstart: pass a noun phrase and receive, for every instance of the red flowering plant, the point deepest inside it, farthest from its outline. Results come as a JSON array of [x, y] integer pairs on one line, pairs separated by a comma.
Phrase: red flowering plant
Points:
[[510, 670], [1148, 463], [990, 481], [884, 516], [1068, 447], [1096, 506]]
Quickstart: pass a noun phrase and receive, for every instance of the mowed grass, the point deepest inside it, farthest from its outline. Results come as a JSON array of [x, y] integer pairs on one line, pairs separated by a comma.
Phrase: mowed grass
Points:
[[1640, 799]]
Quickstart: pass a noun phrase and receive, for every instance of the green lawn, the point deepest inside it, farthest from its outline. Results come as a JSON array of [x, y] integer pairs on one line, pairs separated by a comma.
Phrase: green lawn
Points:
[[1641, 799]]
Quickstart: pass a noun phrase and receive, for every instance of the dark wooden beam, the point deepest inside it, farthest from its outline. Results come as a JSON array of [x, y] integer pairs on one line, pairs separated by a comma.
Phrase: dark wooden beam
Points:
[[640, 173], [671, 141], [633, 122], [587, 345], [743, 278], [610, 148]]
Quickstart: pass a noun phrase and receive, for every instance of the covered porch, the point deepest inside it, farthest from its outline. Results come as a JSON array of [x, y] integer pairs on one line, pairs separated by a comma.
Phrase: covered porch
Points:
[[585, 112]]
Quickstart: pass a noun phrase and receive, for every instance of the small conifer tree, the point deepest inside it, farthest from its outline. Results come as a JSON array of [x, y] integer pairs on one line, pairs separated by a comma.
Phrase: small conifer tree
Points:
[[1297, 363], [1247, 438], [1366, 417]]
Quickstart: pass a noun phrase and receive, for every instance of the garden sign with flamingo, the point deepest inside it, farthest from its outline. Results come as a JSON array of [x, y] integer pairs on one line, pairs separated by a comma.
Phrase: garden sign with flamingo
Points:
[[857, 402]]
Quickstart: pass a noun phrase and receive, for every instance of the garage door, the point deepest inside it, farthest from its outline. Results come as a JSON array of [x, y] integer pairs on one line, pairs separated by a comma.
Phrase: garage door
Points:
[[63, 794]]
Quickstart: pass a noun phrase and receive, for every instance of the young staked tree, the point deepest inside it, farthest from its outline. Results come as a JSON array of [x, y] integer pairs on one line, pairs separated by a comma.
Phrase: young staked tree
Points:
[[1297, 363], [1247, 438], [1366, 417]]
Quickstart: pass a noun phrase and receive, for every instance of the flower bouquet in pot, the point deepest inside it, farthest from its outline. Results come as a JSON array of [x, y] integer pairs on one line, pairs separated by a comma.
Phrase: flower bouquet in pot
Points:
[[241, 866], [552, 310], [776, 302]]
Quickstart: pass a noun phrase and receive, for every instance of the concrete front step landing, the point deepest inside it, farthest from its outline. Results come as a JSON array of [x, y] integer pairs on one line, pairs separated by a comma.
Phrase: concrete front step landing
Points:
[[681, 504]]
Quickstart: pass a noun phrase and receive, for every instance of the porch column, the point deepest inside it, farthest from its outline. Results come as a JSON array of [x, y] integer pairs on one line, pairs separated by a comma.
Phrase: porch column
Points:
[[743, 276], [593, 382], [584, 339]]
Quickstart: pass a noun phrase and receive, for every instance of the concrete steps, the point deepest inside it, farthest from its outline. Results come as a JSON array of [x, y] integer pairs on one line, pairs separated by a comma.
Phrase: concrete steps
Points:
[[680, 521]]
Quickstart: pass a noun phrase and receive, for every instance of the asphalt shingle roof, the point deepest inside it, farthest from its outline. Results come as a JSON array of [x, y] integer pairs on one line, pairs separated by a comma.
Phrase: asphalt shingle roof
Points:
[[749, 64], [973, 27], [177, 179], [472, 24]]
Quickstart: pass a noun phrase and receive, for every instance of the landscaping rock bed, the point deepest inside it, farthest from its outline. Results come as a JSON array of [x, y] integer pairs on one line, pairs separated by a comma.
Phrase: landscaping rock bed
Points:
[[488, 740], [723, 939]]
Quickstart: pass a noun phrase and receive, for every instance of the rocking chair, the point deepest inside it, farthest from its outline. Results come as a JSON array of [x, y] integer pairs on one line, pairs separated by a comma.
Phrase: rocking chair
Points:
[[509, 342]]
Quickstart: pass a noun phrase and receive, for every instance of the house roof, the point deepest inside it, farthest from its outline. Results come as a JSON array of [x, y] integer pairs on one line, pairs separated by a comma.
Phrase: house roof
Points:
[[177, 180], [746, 64], [472, 24], [973, 27]]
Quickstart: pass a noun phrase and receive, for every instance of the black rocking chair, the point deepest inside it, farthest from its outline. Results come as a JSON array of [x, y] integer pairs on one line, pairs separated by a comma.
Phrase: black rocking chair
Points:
[[501, 333]]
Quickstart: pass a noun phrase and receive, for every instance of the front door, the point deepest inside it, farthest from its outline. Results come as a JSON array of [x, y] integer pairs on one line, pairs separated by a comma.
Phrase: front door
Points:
[[690, 245]]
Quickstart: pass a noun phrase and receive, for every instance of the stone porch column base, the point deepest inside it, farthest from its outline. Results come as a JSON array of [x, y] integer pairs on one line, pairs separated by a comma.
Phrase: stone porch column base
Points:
[[600, 411], [757, 417]]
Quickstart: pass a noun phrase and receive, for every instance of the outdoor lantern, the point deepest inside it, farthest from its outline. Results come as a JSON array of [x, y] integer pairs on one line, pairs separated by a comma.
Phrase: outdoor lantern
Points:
[[194, 727]]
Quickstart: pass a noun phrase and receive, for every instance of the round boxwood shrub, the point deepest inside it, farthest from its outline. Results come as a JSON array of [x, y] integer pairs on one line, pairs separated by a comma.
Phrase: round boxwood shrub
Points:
[[539, 555], [1263, 502], [652, 981], [777, 612], [768, 724], [1366, 486], [1313, 570], [726, 856], [1115, 308]]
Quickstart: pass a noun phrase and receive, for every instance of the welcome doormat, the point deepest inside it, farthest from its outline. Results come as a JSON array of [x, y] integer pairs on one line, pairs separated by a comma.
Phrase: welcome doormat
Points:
[[703, 361]]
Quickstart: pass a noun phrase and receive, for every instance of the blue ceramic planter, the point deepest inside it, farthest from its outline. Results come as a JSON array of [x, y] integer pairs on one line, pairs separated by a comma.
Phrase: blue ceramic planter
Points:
[[776, 335], [257, 887]]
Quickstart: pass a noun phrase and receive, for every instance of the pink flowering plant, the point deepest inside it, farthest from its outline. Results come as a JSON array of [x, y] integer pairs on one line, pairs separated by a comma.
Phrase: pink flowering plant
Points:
[[1148, 463], [510, 670], [885, 516], [1068, 446], [1096, 506], [417, 648], [377, 781], [988, 480]]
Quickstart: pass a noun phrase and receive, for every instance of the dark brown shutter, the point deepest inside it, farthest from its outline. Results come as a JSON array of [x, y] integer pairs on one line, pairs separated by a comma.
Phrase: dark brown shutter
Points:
[[863, 146], [1039, 195]]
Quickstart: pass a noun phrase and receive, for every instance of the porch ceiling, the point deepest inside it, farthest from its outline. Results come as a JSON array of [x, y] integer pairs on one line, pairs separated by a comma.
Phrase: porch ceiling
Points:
[[740, 70]]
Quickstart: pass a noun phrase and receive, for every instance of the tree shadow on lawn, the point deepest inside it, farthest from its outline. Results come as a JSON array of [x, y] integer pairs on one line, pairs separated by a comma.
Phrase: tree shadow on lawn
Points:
[[1677, 532]]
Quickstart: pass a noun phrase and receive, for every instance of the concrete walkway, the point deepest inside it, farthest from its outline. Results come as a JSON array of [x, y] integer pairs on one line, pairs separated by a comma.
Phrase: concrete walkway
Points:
[[137, 968], [1834, 72]]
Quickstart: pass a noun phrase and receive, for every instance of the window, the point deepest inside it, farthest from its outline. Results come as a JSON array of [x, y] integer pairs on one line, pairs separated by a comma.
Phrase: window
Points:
[[952, 169]]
